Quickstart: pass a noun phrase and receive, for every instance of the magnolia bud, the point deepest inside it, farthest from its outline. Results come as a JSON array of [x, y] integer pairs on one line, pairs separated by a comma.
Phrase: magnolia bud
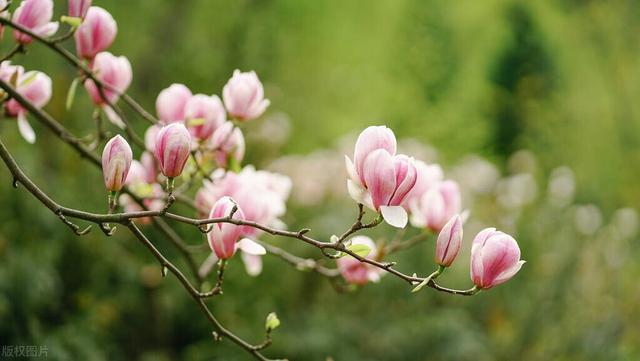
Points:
[[449, 242], [96, 33], [495, 258], [173, 146], [223, 236], [34, 15], [116, 161], [244, 96], [203, 115], [172, 102], [228, 143], [115, 71]]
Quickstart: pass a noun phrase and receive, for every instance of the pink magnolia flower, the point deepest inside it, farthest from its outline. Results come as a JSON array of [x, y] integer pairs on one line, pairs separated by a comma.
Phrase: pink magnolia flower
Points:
[[228, 142], [203, 115], [116, 161], [96, 33], [449, 242], [173, 146], [79, 8], [35, 86], [115, 72], [495, 258], [172, 102], [356, 272], [251, 255], [378, 178], [436, 206], [261, 194], [429, 175], [34, 15], [244, 96], [223, 236]]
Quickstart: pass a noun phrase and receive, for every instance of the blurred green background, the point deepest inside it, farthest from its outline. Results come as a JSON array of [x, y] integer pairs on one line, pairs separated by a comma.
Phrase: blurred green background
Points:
[[473, 79]]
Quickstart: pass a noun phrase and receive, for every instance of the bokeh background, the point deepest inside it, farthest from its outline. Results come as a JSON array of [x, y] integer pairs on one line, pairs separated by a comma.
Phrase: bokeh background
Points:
[[532, 106]]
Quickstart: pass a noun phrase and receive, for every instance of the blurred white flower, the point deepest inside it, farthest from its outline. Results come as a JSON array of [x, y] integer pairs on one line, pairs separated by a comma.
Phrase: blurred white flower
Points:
[[588, 219], [562, 187]]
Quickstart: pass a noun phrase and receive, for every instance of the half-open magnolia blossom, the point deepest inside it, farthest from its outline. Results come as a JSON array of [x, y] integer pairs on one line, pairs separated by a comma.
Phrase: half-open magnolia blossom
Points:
[[436, 206], [495, 258], [35, 86], [173, 146], [357, 272], [96, 33], [378, 177], [203, 115], [449, 242], [115, 72], [227, 143], [223, 236], [34, 15], [78, 8], [116, 161], [261, 194], [244, 96], [171, 103]]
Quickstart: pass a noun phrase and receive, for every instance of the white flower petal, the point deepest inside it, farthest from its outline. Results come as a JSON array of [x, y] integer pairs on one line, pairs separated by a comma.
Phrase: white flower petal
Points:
[[395, 216]]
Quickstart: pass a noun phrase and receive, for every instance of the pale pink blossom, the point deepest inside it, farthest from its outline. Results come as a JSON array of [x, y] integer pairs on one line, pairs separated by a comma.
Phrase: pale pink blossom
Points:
[[227, 143], [35, 87], [203, 115], [244, 96], [115, 72], [223, 236], [378, 177], [495, 258], [173, 146], [96, 33], [436, 206], [34, 15], [116, 161], [171, 103], [152, 200]]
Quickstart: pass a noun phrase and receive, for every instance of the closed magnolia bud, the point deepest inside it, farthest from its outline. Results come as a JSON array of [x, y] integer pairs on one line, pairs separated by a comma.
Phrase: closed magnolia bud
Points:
[[35, 86], [223, 236], [173, 146], [34, 15], [96, 33], [116, 161], [203, 115], [244, 96], [495, 258], [78, 8], [171, 103], [114, 71], [228, 142], [449, 242]]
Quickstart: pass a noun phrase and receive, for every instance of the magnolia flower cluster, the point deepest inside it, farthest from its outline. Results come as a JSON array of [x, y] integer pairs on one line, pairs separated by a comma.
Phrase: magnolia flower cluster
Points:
[[395, 185], [262, 197]]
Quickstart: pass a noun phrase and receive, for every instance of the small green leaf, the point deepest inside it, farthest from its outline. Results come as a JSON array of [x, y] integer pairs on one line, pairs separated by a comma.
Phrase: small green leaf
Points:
[[334, 239], [361, 250], [31, 76], [71, 20], [71, 94], [195, 122], [272, 322], [165, 270]]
